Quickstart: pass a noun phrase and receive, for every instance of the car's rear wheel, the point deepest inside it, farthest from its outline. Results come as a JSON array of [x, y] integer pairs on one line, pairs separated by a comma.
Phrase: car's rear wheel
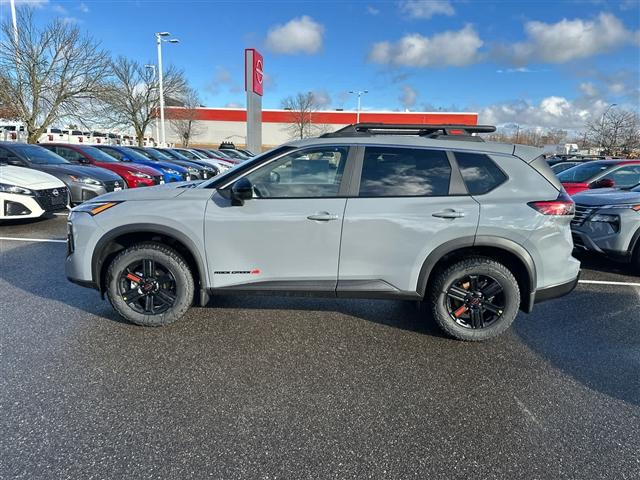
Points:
[[150, 284], [475, 299], [635, 259]]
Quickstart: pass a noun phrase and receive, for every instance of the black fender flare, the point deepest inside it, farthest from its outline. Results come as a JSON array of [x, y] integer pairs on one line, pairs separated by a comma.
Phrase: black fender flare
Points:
[[480, 241], [100, 252]]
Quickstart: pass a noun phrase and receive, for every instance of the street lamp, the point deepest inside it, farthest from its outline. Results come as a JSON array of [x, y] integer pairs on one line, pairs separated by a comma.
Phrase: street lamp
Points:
[[359, 93], [159, 40], [602, 123], [155, 79]]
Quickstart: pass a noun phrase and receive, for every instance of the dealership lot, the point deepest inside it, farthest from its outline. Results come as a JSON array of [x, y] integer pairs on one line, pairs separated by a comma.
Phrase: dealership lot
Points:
[[266, 387]]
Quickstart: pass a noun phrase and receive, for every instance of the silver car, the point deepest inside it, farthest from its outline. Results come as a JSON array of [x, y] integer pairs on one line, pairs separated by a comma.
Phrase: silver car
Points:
[[607, 222], [433, 214]]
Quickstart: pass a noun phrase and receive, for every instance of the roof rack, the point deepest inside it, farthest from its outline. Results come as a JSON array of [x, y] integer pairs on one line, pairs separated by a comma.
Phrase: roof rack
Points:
[[447, 132]]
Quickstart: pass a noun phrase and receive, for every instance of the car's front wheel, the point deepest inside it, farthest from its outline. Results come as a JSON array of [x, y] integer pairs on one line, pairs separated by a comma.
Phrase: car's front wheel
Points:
[[475, 299], [150, 284]]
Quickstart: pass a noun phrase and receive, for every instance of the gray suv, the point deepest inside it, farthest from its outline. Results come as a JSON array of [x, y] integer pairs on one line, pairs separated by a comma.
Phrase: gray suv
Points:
[[607, 221], [477, 230]]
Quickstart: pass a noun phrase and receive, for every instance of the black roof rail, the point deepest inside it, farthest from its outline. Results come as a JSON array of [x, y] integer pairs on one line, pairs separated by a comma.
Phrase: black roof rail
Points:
[[445, 131]]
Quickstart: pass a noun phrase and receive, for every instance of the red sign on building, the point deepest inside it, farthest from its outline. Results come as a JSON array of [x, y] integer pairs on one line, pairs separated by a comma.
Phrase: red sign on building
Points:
[[254, 71]]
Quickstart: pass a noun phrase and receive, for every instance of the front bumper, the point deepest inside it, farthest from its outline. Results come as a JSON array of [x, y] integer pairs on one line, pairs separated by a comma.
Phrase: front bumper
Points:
[[603, 238]]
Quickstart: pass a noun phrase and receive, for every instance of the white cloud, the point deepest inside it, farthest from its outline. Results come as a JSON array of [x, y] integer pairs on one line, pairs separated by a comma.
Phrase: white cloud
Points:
[[234, 105], [588, 89], [30, 3], [569, 40], [551, 112], [408, 97], [83, 7], [300, 35], [59, 9], [371, 10], [456, 48], [426, 8]]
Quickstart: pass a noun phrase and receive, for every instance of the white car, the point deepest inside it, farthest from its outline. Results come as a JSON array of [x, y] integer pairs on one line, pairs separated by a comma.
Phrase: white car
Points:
[[28, 193]]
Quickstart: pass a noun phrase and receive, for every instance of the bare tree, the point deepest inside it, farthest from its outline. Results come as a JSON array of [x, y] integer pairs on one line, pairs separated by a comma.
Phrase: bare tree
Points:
[[617, 132], [48, 73], [184, 120], [301, 108], [130, 97]]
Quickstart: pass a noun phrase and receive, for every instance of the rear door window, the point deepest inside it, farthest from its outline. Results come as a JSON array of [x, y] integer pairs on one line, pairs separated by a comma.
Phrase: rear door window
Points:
[[479, 172], [626, 176], [404, 172]]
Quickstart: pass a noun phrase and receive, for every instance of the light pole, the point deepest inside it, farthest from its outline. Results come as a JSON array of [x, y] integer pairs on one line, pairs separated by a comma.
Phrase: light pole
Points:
[[159, 41], [155, 79], [14, 21], [359, 93], [602, 123]]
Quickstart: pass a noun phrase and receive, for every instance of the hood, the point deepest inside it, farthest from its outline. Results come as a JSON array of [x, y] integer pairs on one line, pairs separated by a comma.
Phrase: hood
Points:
[[158, 192], [130, 166], [606, 196], [172, 166], [80, 171], [28, 178]]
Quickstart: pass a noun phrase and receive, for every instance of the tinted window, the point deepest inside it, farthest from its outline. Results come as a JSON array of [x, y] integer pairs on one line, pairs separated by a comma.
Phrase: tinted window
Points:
[[479, 172], [98, 154], [583, 173], [404, 172], [68, 154], [38, 155], [625, 177], [310, 173], [112, 152]]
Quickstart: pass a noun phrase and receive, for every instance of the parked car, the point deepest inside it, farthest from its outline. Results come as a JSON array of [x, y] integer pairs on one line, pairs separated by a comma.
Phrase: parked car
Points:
[[83, 181], [218, 166], [197, 171], [28, 193], [478, 230], [562, 166], [133, 174], [170, 171], [235, 154], [218, 156], [601, 174], [607, 221]]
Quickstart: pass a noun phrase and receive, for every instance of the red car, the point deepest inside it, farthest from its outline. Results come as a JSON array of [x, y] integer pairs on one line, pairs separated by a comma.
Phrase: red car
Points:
[[134, 174], [601, 174]]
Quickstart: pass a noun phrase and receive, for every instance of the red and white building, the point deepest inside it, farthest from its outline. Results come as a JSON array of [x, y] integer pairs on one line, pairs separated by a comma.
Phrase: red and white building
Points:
[[229, 124]]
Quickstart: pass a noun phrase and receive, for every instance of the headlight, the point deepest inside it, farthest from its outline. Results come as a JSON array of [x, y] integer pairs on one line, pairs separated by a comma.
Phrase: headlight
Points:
[[139, 174], [85, 180], [14, 189], [95, 208], [170, 171], [601, 217]]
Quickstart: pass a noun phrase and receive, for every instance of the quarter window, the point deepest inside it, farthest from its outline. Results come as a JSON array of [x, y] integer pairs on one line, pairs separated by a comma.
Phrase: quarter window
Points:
[[626, 176], [479, 172], [404, 172], [310, 173]]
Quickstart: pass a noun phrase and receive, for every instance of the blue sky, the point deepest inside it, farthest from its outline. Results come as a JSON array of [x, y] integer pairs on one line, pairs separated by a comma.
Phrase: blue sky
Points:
[[543, 63]]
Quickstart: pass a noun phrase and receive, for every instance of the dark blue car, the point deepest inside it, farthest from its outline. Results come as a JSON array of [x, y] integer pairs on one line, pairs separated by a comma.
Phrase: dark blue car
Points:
[[170, 171]]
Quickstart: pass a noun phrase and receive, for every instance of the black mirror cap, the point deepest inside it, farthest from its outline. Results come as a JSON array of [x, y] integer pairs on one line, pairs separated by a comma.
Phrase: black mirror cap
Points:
[[241, 190]]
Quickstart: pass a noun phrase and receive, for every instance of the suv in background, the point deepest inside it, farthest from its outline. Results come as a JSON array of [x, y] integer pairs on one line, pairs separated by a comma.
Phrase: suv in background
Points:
[[415, 212], [607, 221]]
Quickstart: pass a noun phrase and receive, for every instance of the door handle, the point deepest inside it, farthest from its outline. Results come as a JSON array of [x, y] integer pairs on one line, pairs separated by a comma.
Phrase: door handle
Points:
[[448, 213], [323, 217]]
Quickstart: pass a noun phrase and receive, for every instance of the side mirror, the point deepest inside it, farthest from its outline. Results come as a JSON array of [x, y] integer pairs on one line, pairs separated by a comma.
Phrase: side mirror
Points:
[[15, 161], [241, 190], [604, 183]]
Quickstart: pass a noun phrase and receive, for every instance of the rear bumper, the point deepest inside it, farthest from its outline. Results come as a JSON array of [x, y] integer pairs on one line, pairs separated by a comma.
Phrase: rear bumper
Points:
[[555, 291]]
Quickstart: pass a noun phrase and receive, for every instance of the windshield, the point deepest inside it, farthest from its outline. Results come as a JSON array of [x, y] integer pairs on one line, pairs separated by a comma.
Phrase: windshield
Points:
[[133, 155], [176, 154], [145, 153], [39, 155], [636, 188], [157, 155], [584, 172], [98, 155]]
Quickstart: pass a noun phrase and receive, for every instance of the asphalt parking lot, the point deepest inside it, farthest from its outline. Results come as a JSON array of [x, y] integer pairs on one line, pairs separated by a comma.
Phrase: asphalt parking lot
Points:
[[263, 387]]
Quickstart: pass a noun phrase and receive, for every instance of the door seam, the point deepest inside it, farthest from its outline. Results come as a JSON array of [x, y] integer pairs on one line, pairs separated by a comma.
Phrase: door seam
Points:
[[344, 214]]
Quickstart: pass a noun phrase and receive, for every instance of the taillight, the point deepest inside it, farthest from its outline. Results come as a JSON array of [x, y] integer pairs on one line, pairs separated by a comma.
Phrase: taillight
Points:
[[563, 205]]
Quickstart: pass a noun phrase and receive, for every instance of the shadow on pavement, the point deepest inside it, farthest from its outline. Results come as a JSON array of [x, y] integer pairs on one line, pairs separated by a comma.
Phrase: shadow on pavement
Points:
[[592, 336], [601, 263]]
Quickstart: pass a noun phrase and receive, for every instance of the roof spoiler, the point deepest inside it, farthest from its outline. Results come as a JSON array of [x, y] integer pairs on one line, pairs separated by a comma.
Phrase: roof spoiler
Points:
[[445, 131]]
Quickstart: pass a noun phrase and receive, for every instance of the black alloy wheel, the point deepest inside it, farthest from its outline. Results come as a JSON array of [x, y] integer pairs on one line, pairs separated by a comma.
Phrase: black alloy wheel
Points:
[[148, 287], [475, 301]]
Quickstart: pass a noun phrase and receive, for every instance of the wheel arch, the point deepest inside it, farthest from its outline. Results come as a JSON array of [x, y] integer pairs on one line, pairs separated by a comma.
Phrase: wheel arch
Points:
[[116, 240], [513, 256]]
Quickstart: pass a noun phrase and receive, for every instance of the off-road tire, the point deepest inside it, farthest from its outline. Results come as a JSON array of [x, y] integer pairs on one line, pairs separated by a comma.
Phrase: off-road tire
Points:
[[474, 266], [171, 260]]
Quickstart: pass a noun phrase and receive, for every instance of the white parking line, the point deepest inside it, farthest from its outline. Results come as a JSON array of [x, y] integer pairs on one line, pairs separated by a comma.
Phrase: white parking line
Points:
[[14, 239], [603, 282], [62, 214]]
